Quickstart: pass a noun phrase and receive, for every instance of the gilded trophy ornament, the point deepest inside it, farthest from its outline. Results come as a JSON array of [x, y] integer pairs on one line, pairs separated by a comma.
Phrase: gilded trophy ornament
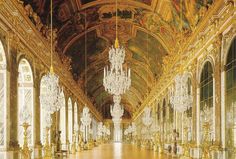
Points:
[[73, 145], [25, 151], [47, 147]]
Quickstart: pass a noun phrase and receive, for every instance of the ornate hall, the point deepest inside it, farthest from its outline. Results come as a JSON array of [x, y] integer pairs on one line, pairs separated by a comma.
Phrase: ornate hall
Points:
[[118, 79]]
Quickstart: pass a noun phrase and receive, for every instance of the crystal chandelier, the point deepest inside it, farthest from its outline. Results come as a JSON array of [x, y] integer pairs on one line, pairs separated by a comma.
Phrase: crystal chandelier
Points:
[[117, 110], [50, 98], [48, 120], [86, 119], [130, 130], [147, 119], [180, 98], [116, 80], [102, 130]]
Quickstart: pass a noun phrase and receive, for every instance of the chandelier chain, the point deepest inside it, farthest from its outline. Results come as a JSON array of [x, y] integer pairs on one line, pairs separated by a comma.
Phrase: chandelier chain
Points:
[[181, 23], [147, 58], [85, 49], [51, 35], [116, 21]]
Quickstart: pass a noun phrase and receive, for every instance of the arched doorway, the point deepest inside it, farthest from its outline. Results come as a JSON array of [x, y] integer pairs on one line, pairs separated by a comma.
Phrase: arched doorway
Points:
[[63, 123], [25, 100], [75, 115], [3, 90], [206, 99], [70, 121], [230, 98]]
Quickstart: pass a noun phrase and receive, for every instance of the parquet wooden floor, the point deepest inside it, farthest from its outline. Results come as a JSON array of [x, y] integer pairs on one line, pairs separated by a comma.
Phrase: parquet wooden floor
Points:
[[117, 151]]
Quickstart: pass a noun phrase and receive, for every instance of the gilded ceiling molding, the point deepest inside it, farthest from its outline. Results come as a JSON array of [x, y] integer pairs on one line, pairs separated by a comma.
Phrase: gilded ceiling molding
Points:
[[99, 26], [120, 2], [78, 36], [159, 38]]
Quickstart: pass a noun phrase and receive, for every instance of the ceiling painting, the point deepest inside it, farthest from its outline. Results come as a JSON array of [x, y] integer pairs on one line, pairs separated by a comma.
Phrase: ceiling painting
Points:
[[150, 30]]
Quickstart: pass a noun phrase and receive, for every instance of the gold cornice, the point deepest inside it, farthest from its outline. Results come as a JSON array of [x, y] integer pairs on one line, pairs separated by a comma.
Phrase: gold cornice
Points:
[[12, 14]]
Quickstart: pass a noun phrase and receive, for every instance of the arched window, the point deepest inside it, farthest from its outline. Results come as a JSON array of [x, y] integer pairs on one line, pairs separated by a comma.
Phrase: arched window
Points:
[[189, 83], [2, 97], [25, 99], [188, 113], [164, 116], [70, 121], [43, 113], [171, 113], [230, 98], [158, 112], [164, 110], [206, 86], [189, 110], [95, 128], [206, 96], [63, 123], [75, 115]]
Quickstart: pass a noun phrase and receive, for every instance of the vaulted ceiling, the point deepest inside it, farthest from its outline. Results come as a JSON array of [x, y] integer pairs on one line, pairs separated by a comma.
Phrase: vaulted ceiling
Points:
[[150, 30]]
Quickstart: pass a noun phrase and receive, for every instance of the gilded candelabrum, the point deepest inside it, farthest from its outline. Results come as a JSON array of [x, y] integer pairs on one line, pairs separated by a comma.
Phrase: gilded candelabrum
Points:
[[159, 143], [138, 143], [90, 142], [25, 151], [85, 145], [206, 141], [207, 146], [47, 147], [186, 145], [80, 143], [73, 146]]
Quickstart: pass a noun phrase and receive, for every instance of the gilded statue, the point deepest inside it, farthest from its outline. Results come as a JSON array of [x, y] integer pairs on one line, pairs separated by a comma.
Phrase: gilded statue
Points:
[[37, 21], [28, 10], [80, 142]]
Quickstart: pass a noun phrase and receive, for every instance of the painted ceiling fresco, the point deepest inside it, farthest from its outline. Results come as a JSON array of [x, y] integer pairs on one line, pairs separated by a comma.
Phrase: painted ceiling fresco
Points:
[[150, 30]]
